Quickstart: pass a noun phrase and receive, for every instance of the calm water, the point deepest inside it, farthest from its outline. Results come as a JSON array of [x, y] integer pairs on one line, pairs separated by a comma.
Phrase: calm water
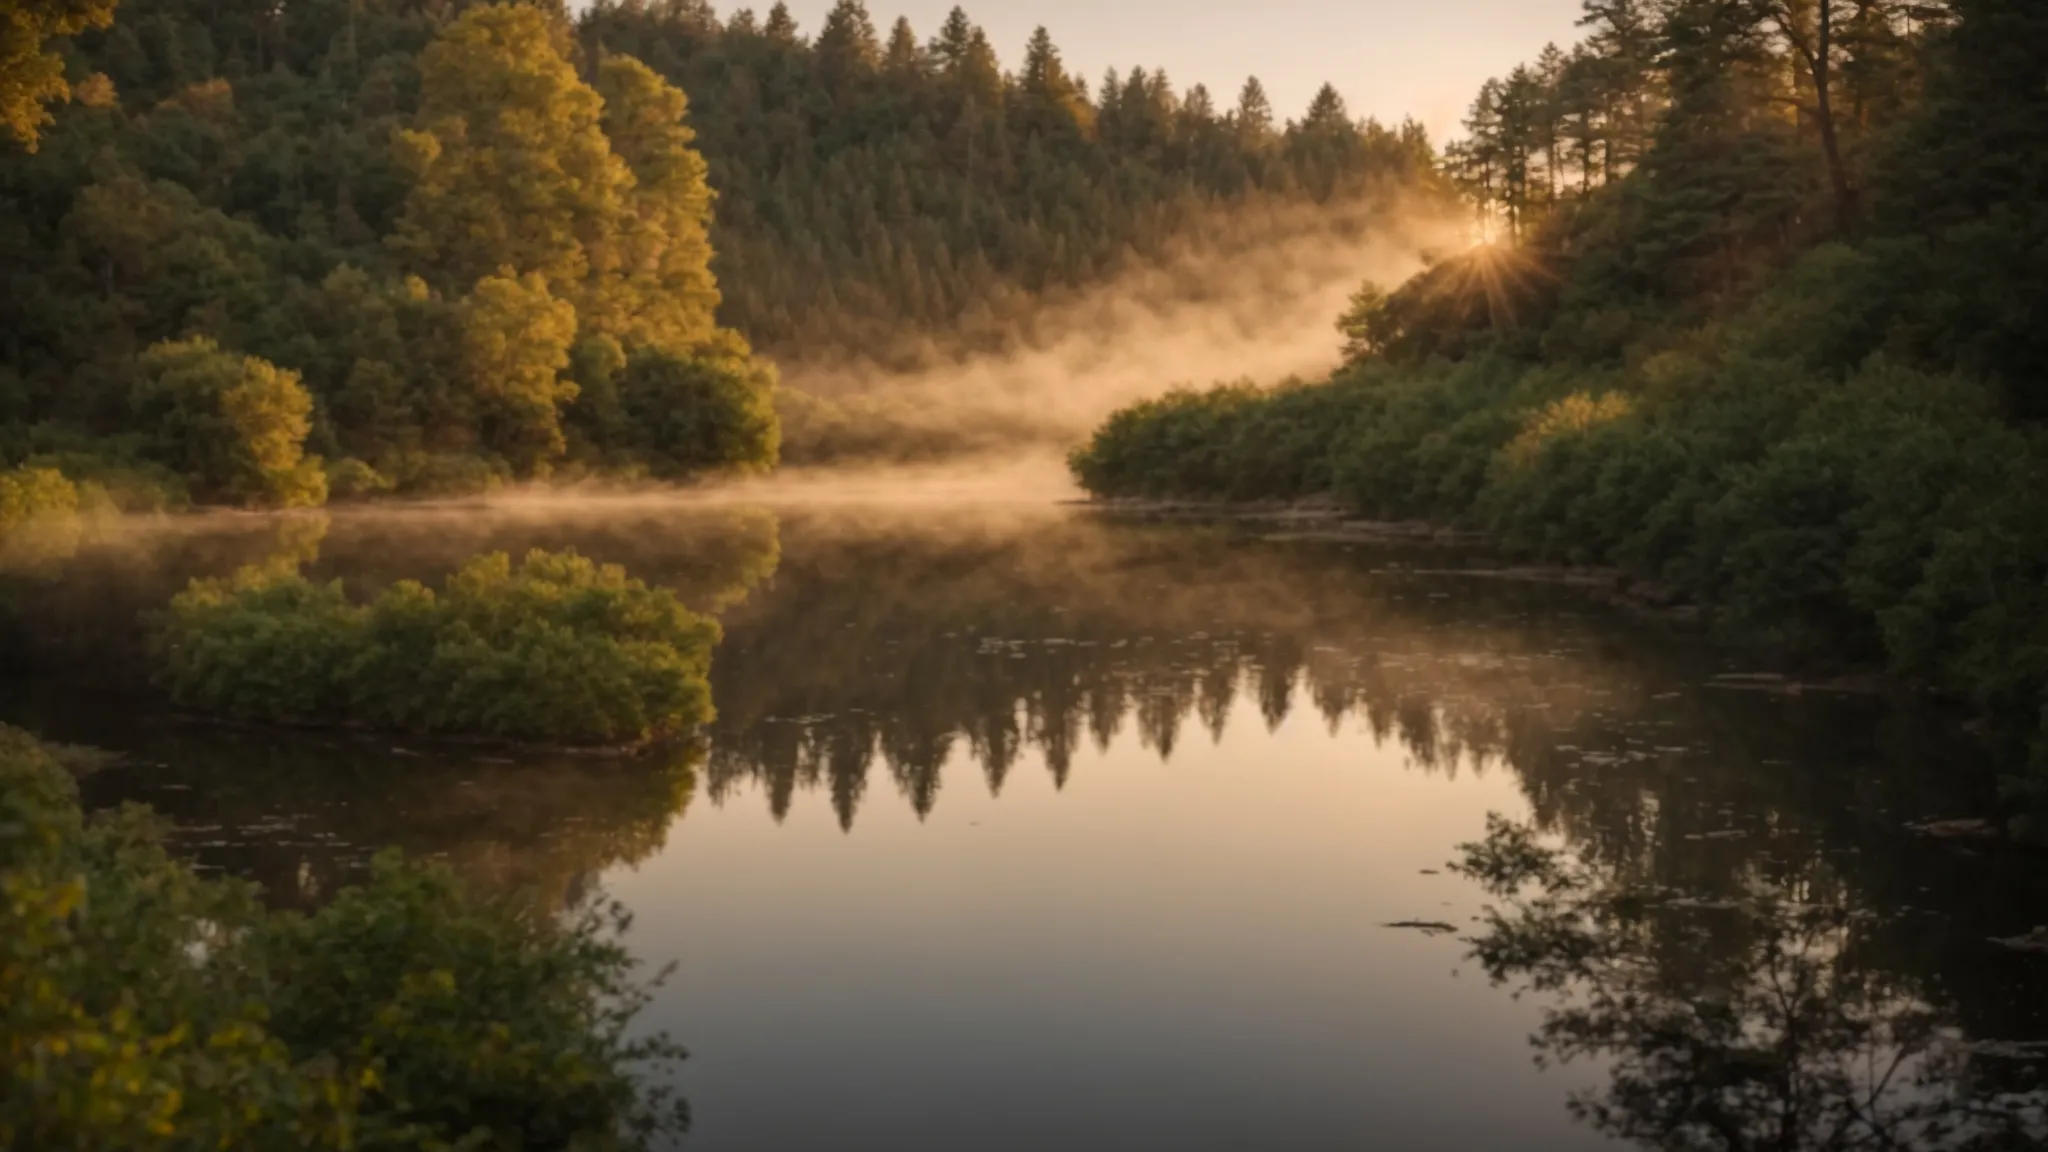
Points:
[[1033, 829]]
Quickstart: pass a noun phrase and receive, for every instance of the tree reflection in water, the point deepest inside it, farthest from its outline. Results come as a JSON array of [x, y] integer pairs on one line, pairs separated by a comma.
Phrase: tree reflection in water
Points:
[[1739, 924], [1765, 1019], [303, 812], [908, 646], [304, 818]]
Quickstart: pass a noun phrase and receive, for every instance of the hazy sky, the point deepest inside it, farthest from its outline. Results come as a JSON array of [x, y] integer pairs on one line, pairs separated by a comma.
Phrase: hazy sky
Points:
[[1390, 58]]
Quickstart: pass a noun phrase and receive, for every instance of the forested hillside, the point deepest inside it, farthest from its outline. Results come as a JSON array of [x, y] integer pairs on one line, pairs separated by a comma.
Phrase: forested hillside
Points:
[[253, 253], [875, 185], [1762, 321]]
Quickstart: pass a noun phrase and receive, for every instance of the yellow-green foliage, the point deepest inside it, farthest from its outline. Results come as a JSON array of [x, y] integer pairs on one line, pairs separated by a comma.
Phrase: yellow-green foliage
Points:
[[557, 649], [665, 295], [511, 169], [31, 494], [234, 426], [31, 77], [1572, 415], [515, 343], [44, 516], [557, 219], [350, 478], [144, 1007]]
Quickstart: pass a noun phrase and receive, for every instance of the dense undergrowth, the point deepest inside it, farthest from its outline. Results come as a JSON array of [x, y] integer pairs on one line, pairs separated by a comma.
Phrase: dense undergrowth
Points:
[[555, 649], [143, 1006], [1818, 416]]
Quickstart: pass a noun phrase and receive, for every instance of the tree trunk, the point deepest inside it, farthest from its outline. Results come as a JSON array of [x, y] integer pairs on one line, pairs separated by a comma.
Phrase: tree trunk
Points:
[[1830, 142]]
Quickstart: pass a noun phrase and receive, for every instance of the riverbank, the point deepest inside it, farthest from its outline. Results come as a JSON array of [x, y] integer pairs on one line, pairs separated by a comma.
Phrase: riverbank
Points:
[[1325, 521], [1878, 521]]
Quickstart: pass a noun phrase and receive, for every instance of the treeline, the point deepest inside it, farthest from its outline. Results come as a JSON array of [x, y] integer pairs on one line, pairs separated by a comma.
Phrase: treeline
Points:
[[874, 186], [1765, 325], [258, 254]]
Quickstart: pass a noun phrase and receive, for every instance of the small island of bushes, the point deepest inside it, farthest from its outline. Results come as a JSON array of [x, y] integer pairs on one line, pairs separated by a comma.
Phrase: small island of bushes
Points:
[[554, 650]]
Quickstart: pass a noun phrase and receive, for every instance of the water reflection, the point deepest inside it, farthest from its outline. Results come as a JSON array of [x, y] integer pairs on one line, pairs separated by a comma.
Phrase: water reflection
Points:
[[1774, 1016], [304, 817], [1742, 931]]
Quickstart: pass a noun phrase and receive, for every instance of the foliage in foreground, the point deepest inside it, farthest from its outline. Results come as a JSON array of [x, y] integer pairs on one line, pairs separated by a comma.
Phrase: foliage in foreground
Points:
[[145, 1007], [556, 649]]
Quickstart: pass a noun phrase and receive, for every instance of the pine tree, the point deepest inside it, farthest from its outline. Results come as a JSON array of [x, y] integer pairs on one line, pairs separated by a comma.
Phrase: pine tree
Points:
[[1254, 113], [1326, 111], [1623, 38], [952, 44], [904, 59], [847, 49], [1050, 102]]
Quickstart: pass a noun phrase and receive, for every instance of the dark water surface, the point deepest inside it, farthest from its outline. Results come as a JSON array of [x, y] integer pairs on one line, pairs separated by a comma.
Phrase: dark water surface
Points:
[[1033, 829]]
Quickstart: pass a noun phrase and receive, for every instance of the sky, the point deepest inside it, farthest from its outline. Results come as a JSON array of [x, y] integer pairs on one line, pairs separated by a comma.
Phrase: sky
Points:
[[1390, 58]]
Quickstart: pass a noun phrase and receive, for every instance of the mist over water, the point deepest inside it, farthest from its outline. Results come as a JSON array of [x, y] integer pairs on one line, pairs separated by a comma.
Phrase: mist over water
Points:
[[1256, 296]]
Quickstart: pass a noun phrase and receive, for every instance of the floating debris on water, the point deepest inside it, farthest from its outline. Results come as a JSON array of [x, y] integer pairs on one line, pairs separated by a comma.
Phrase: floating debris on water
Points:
[[1956, 829], [1426, 927], [2035, 941]]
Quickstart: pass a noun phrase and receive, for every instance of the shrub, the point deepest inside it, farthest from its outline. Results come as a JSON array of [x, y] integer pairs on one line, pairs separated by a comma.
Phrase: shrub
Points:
[[234, 426], [43, 516], [1575, 415], [1173, 446], [557, 650], [351, 479], [711, 410], [446, 474], [142, 1006], [31, 494], [1417, 442]]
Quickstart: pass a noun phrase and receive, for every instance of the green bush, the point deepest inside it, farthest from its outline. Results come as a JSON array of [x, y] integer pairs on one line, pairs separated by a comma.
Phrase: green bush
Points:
[[446, 474], [351, 479], [44, 516], [1418, 444], [555, 650], [710, 410], [1177, 445], [234, 426], [143, 1007], [28, 495]]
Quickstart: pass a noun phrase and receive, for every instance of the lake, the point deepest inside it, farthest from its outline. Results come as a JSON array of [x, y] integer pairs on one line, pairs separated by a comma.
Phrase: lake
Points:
[[1029, 827]]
